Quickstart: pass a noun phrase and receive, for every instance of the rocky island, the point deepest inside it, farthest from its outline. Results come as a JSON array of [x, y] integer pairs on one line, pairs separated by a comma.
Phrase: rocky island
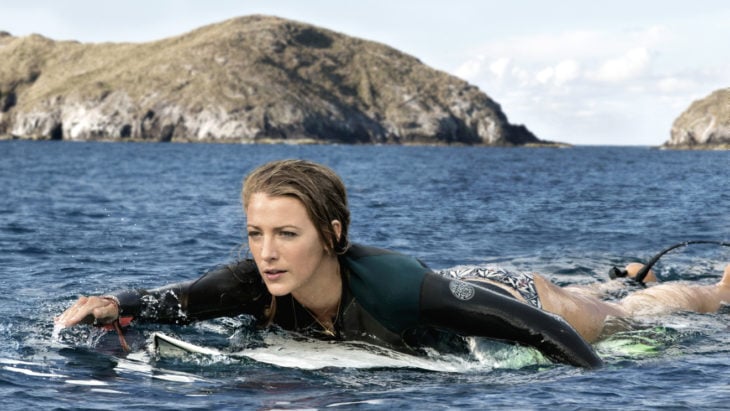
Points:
[[704, 125], [253, 79]]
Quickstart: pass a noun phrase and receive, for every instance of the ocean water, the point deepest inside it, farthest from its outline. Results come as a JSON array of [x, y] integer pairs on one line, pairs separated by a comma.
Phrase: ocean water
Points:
[[88, 218]]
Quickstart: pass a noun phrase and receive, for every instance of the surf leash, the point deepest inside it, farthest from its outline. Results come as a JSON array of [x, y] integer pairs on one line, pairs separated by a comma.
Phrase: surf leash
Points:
[[120, 333], [117, 324], [616, 272]]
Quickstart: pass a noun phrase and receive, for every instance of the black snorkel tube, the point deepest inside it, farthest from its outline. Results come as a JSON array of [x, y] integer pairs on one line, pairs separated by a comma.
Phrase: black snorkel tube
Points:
[[616, 272]]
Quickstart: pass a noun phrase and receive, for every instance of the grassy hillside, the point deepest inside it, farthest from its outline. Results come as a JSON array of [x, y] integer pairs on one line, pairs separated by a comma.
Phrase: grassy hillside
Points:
[[253, 78]]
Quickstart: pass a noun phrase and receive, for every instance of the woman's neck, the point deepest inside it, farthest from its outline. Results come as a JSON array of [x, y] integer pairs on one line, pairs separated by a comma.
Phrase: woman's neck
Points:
[[322, 295]]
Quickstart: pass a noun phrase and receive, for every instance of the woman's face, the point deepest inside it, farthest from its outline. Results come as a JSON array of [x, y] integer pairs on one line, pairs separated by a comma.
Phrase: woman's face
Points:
[[285, 244]]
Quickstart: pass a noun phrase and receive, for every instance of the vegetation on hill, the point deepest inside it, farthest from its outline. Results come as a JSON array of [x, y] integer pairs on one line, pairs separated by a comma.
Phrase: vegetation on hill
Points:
[[249, 79]]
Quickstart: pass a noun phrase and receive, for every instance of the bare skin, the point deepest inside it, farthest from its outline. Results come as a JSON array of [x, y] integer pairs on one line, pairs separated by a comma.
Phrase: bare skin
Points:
[[587, 313], [602, 290], [666, 298], [291, 257], [86, 310]]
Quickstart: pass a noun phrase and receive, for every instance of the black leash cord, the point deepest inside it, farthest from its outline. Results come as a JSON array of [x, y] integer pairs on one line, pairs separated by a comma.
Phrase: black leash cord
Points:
[[645, 270]]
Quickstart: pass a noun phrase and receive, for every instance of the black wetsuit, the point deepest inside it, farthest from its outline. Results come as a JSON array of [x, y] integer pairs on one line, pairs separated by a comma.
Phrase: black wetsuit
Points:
[[388, 298]]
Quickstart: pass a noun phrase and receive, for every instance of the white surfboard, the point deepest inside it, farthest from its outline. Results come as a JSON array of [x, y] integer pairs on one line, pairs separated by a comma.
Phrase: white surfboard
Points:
[[168, 346], [315, 354]]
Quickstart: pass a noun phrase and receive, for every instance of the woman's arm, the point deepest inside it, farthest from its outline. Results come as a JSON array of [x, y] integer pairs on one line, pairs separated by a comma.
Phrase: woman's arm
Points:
[[468, 309], [227, 291]]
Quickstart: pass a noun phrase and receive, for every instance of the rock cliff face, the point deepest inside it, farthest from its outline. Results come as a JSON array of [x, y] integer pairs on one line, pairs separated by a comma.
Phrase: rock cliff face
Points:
[[250, 79], [705, 124]]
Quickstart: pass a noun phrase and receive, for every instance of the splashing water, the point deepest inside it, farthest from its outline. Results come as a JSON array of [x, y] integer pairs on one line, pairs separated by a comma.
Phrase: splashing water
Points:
[[56, 334]]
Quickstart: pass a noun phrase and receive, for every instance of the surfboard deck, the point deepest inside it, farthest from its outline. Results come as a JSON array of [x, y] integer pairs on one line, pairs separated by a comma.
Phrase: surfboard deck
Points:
[[311, 355], [168, 346]]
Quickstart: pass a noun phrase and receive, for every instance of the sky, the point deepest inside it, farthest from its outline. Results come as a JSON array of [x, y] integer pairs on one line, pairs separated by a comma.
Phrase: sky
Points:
[[590, 73]]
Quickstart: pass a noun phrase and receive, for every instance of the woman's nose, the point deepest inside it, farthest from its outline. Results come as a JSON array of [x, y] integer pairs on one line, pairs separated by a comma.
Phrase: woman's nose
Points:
[[268, 248]]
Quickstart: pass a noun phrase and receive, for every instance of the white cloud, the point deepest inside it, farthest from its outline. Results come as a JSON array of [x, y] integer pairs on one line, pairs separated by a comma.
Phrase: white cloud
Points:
[[591, 86], [499, 67], [545, 75], [632, 64], [566, 71]]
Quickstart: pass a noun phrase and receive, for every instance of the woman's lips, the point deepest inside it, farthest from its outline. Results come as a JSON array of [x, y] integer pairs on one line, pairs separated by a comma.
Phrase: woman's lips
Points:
[[273, 275]]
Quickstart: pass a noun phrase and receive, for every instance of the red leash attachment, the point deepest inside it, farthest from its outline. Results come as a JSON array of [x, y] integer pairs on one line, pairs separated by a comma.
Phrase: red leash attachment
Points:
[[118, 323], [120, 333]]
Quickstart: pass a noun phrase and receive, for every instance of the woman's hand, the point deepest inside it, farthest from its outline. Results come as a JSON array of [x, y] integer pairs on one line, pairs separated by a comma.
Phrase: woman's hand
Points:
[[89, 310]]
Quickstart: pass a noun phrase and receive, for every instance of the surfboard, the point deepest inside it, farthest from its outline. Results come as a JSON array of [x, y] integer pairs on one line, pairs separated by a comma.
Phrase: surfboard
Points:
[[632, 344], [167, 346], [313, 354]]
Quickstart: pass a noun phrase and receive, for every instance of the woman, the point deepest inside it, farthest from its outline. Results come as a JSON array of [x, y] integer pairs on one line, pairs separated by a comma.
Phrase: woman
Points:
[[306, 276]]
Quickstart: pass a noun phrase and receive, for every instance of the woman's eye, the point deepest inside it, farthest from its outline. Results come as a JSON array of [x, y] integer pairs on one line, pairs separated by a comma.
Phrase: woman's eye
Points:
[[288, 234], [254, 234]]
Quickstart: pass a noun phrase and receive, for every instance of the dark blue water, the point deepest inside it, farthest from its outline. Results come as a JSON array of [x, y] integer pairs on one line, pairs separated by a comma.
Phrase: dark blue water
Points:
[[78, 218]]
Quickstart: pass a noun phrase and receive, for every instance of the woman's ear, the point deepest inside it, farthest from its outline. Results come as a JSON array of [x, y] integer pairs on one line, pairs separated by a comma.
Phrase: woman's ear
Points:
[[337, 228]]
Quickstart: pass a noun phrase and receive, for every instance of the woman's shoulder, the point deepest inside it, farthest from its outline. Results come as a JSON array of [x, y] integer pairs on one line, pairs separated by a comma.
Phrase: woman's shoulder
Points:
[[374, 261], [386, 283]]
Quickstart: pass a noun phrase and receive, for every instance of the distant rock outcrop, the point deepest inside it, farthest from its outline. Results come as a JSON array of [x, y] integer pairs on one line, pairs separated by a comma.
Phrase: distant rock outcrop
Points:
[[705, 124], [250, 79]]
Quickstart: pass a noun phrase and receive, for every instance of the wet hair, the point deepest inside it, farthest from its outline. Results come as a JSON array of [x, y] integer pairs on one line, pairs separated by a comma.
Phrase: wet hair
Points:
[[318, 187]]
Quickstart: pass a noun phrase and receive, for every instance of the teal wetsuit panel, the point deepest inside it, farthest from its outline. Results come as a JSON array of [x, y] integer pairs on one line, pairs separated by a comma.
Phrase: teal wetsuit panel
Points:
[[387, 285]]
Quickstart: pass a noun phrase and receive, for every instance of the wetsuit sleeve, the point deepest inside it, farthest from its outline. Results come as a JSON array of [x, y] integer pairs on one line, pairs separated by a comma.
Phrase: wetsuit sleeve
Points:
[[227, 291], [472, 310]]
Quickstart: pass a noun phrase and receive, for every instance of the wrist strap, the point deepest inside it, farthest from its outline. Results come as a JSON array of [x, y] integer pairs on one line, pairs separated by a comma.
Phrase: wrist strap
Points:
[[117, 326]]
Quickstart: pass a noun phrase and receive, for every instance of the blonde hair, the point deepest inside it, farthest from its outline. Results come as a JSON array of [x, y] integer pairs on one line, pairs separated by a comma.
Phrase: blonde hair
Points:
[[318, 187]]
